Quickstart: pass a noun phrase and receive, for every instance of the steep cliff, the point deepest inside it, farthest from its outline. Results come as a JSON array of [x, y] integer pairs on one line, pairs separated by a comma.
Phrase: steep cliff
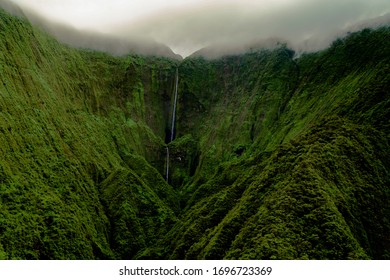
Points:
[[274, 156], [78, 130]]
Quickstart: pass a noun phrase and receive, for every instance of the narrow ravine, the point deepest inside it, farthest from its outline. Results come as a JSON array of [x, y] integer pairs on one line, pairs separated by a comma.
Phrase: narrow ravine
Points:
[[172, 132]]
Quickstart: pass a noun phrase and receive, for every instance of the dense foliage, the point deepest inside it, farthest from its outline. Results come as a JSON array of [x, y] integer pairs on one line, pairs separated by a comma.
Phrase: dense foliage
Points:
[[275, 156]]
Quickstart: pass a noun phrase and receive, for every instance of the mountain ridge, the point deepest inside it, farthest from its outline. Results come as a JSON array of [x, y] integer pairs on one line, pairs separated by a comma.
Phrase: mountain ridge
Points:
[[274, 157], [85, 39]]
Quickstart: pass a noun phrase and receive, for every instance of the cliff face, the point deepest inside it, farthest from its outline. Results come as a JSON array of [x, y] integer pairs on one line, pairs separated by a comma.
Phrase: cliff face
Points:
[[274, 157], [292, 153], [76, 128]]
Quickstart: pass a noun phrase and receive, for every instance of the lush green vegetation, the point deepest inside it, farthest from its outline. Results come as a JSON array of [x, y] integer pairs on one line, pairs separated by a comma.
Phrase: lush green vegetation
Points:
[[275, 157], [75, 130]]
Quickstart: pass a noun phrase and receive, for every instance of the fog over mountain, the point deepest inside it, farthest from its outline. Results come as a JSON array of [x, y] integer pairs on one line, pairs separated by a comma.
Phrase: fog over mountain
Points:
[[91, 39], [225, 25], [265, 155]]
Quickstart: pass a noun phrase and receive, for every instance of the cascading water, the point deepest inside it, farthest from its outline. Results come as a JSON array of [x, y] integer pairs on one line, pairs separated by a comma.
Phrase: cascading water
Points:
[[174, 106], [172, 132]]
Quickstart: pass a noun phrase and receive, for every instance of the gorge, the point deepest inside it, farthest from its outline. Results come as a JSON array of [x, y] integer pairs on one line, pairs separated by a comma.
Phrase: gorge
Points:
[[261, 155]]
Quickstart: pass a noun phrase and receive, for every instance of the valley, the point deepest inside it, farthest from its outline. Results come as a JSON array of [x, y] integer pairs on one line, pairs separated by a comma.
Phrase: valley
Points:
[[271, 155]]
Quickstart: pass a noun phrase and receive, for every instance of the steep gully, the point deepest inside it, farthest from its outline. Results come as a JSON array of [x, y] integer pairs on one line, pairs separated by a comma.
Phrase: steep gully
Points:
[[172, 132]]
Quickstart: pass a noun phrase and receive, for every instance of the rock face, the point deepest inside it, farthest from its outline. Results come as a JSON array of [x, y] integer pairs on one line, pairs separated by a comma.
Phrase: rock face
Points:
[[274, 157]]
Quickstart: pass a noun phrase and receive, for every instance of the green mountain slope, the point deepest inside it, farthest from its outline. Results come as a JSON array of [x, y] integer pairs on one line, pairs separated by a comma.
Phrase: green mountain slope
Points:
[[293, 157], [275, 157], [70, 121]]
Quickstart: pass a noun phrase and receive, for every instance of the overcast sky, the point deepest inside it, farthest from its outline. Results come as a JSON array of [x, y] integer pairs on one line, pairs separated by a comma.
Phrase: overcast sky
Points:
[[188, 25]]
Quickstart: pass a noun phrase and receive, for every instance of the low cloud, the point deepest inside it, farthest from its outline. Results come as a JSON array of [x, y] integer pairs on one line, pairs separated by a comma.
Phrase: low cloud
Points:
[[223, 27], [306, 24], [11, 7], [115, 44]]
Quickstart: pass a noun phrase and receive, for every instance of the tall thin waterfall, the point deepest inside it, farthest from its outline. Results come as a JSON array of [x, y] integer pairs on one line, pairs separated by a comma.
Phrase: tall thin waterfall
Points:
[[174, 106], [173, 122]]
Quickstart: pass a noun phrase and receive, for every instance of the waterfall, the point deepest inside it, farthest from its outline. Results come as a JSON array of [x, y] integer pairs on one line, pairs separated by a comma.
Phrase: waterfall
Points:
[[174, 105], [173, 122]]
